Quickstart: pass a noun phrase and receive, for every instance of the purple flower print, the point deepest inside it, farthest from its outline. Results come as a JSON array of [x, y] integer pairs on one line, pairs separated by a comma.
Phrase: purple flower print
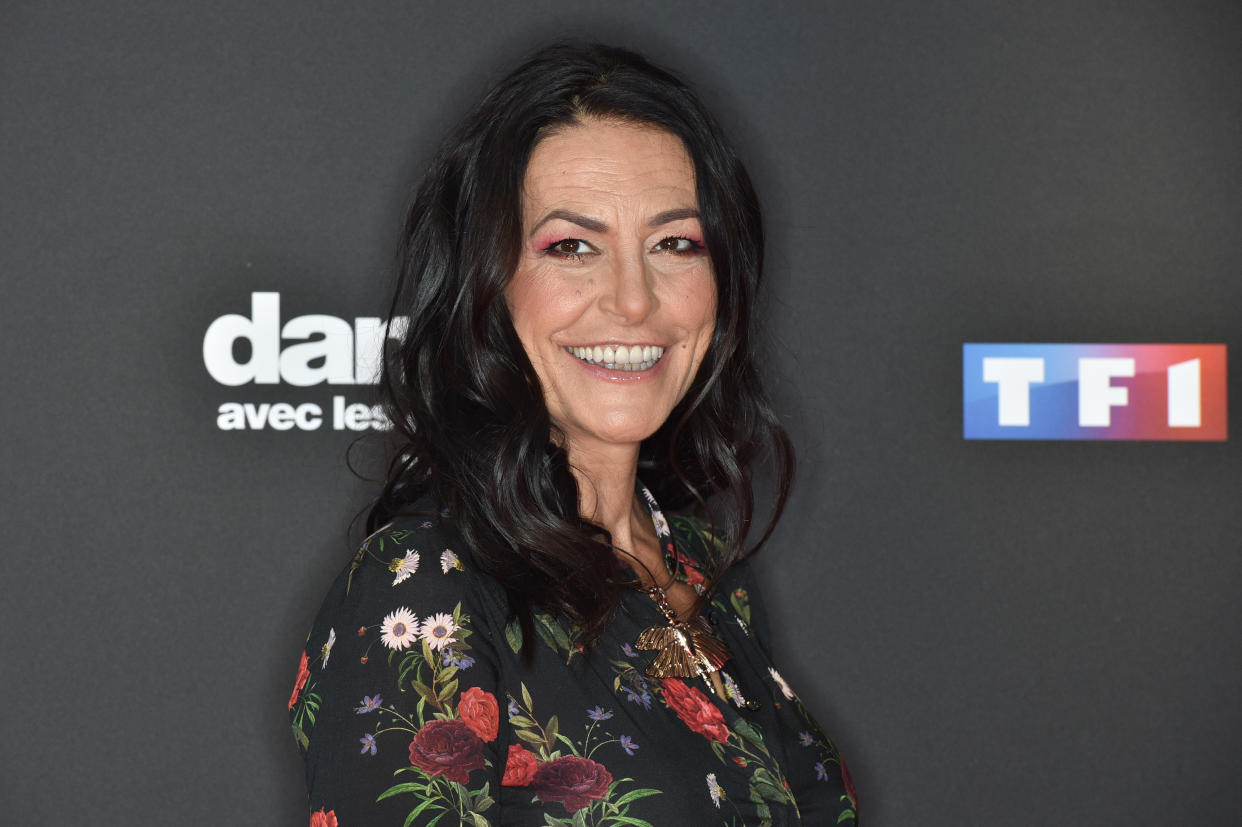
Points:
[[370, 703], [599, 714], [368, 743], [643, 700], [450, 658], [628, 745]]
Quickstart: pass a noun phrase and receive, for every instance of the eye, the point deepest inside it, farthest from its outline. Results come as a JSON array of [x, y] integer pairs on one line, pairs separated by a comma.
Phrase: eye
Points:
[[570, 248], [678, 244]]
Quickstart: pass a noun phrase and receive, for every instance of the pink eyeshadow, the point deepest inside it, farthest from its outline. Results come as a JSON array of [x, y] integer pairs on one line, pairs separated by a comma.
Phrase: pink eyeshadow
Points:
[[542, 242]]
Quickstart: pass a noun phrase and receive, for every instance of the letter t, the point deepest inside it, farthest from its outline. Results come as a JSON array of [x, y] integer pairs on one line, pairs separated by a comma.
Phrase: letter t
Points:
[[1013, 378]]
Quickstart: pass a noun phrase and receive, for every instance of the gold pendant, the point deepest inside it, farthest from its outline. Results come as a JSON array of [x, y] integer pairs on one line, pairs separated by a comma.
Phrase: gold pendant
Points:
[[685, 649]]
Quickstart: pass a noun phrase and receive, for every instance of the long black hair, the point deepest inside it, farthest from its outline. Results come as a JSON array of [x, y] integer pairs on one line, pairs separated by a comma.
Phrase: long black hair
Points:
[[466, 404]]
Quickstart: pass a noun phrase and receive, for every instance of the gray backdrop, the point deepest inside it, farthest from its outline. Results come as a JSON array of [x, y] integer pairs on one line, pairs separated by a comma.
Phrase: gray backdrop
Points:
[[995, 633]]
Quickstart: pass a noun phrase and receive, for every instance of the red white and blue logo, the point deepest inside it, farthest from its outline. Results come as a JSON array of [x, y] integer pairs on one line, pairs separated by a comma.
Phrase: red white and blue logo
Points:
[[1113, 391]]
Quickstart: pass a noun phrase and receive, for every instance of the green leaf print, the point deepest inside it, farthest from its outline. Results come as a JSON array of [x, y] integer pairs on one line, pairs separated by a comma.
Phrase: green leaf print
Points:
[[513, 635], [747, 730], [552, 632], [407, 787], [740, 601], [634, 795], [300, 737], [768, 787]]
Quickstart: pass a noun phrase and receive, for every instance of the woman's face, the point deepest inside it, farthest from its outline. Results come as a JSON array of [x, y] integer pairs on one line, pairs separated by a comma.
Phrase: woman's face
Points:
[[613, 298]]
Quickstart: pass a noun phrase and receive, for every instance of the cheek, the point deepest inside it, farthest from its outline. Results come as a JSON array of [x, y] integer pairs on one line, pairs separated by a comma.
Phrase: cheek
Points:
[[522, 298], [541, 306], [696, 315], [703, 304], [708, 323]]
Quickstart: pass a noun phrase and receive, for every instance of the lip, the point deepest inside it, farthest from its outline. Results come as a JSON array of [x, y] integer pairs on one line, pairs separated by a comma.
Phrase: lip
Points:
[[615, 342]]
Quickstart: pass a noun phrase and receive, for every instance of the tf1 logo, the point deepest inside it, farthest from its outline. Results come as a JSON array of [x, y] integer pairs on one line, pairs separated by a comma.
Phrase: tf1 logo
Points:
[[1137, 392]]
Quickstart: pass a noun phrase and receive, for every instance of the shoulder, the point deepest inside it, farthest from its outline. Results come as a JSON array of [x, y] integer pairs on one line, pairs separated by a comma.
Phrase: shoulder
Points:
[[410, 582], [423, 541], [418, 561], [409, 589]]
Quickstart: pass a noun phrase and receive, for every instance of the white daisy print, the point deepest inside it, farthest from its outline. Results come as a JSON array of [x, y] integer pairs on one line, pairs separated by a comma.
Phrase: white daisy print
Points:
[[448, 560], [327, 648], [731, 689], [400, 629], [713, 789], [403, 567], [661, 524], [785, 690], [438, 630]]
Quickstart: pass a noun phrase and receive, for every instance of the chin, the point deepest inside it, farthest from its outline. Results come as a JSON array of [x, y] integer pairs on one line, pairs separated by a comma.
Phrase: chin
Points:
[[628, 432]]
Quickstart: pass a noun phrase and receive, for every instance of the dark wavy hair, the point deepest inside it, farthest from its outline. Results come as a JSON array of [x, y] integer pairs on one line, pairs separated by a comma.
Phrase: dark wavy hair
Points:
[[466, 405]]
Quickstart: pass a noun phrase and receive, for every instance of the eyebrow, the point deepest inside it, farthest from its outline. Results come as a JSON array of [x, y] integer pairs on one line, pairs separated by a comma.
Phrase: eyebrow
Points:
[[597, 226], [585, 221], [669, 216]]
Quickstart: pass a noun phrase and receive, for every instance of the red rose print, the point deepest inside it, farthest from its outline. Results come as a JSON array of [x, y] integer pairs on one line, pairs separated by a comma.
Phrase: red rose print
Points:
[[448, 748], [322, 819], [479, 711], [573, 781], [520, 768], [693, 707], [303, 674], [693, 576]]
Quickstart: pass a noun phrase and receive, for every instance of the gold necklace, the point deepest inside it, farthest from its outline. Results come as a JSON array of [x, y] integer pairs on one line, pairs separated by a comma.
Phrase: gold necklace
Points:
[[685, 648]]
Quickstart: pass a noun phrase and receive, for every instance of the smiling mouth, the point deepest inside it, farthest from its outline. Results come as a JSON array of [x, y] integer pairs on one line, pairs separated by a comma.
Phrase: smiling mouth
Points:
[[619, 357]]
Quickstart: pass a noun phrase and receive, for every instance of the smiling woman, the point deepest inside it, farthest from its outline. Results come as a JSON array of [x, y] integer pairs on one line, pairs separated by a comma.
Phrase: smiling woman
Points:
[[579, 269], [613, 262]]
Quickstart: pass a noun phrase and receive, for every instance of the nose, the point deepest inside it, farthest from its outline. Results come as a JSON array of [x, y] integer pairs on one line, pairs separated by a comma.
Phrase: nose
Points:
[[628, 293]]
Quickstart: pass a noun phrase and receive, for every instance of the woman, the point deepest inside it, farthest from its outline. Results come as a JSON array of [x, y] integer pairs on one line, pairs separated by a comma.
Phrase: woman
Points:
[[525, 638]]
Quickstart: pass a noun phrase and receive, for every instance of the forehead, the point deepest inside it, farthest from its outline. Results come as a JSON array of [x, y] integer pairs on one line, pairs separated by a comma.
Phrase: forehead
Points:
[[609, 160]]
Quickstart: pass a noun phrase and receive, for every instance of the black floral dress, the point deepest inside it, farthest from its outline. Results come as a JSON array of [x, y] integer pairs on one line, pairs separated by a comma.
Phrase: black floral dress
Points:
[[413, 706]]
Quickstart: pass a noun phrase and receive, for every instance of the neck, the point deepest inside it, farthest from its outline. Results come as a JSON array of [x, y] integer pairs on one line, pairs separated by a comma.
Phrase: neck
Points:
[[607, 477]]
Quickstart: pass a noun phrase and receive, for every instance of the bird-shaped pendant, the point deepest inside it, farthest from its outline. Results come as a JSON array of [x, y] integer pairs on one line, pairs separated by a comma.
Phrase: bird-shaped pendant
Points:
[[685, 649]]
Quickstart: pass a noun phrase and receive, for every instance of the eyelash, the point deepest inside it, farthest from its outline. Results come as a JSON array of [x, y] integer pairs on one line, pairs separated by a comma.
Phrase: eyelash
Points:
[[694, 248]]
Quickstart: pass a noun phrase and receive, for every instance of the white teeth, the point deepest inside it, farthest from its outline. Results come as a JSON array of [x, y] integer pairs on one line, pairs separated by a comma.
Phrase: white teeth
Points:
[[619, 357]]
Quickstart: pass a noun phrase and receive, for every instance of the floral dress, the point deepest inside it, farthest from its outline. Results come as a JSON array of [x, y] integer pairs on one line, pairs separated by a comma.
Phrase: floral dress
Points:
[[413, 704]]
